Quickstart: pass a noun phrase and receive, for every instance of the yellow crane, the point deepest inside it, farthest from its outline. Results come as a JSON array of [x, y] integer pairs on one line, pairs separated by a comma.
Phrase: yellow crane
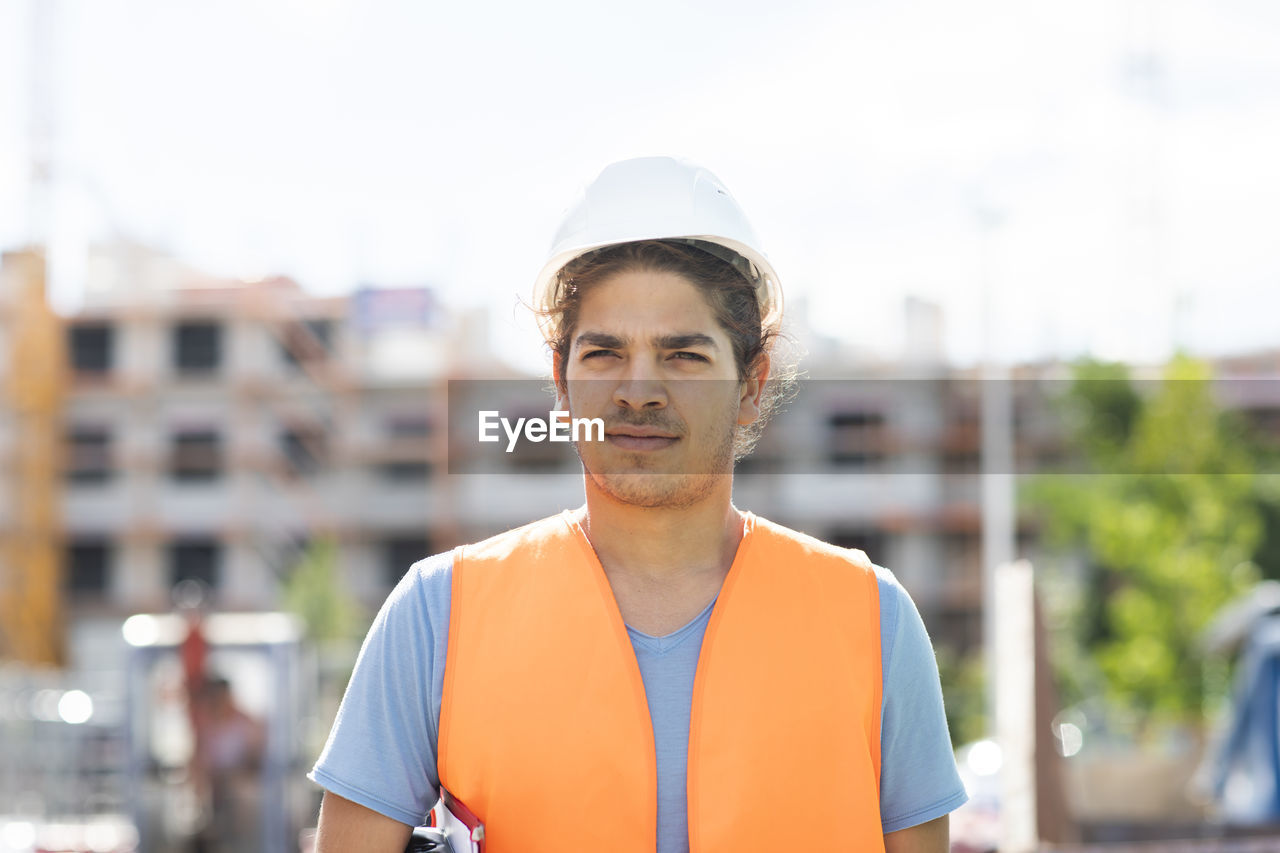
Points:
[[34, 386]]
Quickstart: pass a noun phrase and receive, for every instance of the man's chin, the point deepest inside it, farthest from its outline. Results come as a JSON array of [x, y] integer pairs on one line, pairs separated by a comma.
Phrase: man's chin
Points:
[[672, 491]]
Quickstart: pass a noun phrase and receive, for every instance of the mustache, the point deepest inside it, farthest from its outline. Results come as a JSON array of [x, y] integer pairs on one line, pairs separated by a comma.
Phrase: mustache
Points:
[[658, 420]]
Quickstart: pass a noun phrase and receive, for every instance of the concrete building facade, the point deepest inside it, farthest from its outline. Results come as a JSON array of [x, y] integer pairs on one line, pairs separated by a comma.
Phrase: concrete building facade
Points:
[[214, 428]]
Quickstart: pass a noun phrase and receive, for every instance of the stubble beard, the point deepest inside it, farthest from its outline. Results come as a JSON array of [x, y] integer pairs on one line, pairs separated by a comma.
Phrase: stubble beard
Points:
[[680, 490]]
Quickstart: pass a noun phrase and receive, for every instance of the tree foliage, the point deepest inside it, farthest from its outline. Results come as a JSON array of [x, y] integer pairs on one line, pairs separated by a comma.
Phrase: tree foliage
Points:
[[1168, 520], [314, 592], [964, 683]]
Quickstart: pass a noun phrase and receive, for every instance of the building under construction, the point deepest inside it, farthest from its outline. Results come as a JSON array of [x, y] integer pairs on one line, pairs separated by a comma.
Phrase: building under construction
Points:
[[187, 432], [185, 428]]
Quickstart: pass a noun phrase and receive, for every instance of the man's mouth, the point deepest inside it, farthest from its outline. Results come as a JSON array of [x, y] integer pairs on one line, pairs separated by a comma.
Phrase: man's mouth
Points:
[[639, 438]]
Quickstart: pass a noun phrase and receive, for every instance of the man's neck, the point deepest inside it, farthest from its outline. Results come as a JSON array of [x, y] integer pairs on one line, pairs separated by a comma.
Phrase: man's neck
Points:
[[657, 544]]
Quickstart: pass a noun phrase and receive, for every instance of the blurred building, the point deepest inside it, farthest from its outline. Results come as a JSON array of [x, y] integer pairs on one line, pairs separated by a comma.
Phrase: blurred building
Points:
[[213, 428]]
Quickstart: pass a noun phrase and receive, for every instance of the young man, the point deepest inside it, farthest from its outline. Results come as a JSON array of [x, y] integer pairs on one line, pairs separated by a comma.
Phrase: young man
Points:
[[656, 669]]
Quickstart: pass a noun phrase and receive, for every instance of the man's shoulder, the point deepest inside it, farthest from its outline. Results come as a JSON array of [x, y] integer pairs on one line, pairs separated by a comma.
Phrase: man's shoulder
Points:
[[813, 546], [429, 577], [891, 592], [429, 581], [533, 535]]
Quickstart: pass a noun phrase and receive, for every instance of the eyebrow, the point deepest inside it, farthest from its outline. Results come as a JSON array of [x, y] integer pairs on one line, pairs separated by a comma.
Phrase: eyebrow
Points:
[[682, 340], [686, 340], [599, 339]]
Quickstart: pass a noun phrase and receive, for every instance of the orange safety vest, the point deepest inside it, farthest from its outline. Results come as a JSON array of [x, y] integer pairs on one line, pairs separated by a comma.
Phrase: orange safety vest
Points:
[[545, 731]]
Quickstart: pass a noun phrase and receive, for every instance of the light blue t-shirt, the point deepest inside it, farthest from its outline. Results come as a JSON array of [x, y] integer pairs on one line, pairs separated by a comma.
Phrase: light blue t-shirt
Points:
[[381, 752]]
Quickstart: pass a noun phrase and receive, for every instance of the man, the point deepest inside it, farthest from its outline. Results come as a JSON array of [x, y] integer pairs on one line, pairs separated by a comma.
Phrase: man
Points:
[[657, 669]]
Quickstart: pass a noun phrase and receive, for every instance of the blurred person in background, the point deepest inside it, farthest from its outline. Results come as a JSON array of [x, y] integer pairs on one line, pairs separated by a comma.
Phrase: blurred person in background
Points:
[[227, 770], [656, 669]]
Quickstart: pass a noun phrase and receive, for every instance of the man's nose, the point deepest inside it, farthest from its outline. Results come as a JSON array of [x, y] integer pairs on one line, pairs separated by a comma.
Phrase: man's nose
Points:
[[640, 388]]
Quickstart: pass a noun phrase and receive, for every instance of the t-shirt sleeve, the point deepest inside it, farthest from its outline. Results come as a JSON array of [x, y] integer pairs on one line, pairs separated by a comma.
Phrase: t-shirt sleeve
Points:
[[381, 749], [918, 776]]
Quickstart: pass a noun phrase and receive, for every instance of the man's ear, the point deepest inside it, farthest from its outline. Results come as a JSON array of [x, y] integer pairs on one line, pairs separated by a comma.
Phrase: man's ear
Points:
[[751, 391]]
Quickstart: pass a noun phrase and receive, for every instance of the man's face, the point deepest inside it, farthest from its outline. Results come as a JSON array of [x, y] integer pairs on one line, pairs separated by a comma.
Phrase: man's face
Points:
[[649, 358]]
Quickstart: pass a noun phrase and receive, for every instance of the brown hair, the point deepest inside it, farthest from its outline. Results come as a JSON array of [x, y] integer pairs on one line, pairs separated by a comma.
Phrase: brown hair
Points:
[[731, 296]]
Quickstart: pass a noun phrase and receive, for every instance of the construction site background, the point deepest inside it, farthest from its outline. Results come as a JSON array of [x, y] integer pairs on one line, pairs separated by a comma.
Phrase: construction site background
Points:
[[283, 452]]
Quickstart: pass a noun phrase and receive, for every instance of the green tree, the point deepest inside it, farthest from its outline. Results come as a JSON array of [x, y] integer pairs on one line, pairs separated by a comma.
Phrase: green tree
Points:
[[964, 683], [1267, 554], [334, 624], [314, 592], [1168, 519]]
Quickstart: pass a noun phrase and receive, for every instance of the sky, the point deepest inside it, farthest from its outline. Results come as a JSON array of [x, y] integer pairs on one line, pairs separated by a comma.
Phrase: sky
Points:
[[1101, 173]]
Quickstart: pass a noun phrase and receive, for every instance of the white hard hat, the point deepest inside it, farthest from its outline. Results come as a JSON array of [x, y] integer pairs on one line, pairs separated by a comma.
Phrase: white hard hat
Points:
[[661, 198]]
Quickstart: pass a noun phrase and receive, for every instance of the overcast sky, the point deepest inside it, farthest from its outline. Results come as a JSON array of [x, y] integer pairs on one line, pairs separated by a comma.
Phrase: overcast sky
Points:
[[1095, 163]]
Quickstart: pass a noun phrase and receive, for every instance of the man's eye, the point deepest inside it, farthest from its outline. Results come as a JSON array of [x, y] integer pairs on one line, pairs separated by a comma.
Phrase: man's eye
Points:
[[597, 352], [689, 356]]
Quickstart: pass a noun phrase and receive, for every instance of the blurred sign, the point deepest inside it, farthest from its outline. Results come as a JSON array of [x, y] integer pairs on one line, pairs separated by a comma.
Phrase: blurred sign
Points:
[[373, 309]]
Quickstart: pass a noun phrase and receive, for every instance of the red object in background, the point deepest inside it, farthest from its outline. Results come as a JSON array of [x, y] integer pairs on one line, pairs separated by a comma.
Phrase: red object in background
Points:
[[194, 651]]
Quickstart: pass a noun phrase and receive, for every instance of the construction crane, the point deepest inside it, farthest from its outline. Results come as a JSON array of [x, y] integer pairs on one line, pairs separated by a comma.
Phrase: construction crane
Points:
[[33, 390]]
